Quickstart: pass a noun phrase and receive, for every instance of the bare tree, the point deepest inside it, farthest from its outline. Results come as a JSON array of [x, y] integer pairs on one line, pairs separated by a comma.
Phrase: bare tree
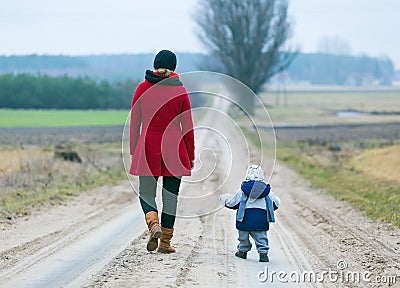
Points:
[[247, 36]]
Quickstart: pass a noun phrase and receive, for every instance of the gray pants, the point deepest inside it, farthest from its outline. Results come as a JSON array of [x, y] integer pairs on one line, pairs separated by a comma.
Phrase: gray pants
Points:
[[259, 237]]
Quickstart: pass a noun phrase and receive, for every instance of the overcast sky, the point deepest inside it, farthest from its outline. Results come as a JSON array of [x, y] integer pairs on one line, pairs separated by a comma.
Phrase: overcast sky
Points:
[[76, 27]]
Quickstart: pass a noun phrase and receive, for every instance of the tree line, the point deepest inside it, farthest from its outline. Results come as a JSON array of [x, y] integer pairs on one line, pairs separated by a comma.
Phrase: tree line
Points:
[[26, 91], [328, 69], [315, 68]]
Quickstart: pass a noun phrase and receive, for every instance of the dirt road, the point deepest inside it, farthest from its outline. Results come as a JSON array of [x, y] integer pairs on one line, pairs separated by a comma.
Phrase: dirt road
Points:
[[313, 232]]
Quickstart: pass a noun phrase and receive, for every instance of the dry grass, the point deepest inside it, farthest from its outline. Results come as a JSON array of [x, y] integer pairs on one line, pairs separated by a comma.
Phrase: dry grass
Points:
[[12, 159], [383, 163], [34, 178], [336, 173]]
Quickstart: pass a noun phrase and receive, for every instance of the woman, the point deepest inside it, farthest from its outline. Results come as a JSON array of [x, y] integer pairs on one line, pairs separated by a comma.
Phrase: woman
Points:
[[161, 144]]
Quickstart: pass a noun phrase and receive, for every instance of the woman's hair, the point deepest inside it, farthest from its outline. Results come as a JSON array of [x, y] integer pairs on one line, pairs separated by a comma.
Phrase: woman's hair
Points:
[[163, 72]]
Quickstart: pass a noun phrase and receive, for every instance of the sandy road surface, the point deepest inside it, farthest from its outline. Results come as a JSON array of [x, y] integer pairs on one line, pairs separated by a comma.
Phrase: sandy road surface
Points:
[[27, 243], [313, 231]]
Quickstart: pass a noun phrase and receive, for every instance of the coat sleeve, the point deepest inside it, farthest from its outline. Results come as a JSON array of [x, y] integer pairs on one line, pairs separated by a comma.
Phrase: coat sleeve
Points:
[[275, 200], [136, 120], [234, 202], [187, 126]]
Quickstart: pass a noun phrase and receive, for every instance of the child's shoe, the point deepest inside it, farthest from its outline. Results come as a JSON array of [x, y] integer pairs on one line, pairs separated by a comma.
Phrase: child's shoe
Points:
[[264, 258], [240, 254]]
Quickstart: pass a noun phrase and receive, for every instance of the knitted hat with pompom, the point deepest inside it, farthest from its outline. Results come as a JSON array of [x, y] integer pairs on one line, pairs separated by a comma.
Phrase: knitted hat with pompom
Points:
[[254, 172]]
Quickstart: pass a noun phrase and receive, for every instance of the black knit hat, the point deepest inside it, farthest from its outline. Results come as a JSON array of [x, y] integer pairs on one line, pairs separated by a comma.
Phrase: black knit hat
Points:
[[165, 59]]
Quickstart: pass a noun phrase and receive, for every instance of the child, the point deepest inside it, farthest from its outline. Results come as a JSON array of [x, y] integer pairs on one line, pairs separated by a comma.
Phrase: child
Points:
[[255, 204]]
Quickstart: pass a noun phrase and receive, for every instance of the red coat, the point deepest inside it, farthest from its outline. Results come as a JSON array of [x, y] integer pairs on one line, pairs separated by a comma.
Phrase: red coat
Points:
[[161, 130]]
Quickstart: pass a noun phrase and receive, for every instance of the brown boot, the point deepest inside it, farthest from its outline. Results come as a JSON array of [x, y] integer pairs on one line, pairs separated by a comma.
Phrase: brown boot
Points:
[[165, 241], [154, 230]]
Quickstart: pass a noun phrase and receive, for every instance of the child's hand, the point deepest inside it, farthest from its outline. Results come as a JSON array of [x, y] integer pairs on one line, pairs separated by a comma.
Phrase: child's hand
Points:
[[275, 199], [224, 197]]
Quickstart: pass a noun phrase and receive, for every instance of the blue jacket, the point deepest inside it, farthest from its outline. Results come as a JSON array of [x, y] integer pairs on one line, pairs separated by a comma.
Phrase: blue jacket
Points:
[[255, 203]]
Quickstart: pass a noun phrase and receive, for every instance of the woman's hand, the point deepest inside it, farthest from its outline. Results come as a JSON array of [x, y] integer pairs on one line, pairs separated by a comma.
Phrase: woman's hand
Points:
[[191, 164]]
